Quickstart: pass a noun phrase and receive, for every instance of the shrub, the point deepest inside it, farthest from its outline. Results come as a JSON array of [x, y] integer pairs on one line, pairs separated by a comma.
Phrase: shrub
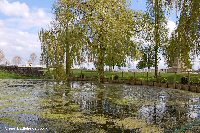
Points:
[[184, 80], [163, 80], [115, 77], [131, 78]]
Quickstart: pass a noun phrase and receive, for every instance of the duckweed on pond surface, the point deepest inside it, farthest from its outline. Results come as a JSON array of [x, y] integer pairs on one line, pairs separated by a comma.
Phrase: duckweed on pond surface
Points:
[[87, 107]]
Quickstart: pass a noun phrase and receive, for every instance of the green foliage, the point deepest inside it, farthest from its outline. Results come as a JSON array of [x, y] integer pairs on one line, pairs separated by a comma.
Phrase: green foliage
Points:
[[184, 44], [110, 25], [163, 79], [147, 59], [156, 11], [103, 31], [62, 43]]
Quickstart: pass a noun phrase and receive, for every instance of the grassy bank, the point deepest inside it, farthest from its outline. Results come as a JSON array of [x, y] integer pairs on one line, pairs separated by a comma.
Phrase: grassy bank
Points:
[[163, 77], [10, 75]]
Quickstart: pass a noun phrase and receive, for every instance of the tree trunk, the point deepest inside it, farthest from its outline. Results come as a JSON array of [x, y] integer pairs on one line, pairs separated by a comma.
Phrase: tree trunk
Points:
[[67, 62], [157, 36], [156, 62], [148, 61], [110, 68], [67, 56], [101, 65], [113, 65]]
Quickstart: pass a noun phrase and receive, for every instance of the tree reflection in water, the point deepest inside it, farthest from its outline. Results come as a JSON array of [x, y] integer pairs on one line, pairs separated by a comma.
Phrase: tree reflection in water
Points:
[[86, 106]]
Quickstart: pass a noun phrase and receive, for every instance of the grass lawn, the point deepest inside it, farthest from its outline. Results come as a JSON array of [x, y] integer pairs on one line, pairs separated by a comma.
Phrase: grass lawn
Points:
[[10, 75], [164, 77], [170, 77]]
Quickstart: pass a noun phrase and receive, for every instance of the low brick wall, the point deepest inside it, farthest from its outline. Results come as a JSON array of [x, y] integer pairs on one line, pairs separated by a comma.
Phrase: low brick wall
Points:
[[25, 71]]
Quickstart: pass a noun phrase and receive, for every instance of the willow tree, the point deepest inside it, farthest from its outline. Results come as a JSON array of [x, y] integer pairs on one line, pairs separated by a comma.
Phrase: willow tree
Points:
[[44, 37], [184, 44], [157, 10], [120, 51], [145, 38], [110, 26], [52, 52], [61, 43], [118, 56]]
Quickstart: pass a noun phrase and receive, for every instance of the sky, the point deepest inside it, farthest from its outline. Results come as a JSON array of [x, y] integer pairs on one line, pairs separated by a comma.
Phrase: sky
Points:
[[21, 20]]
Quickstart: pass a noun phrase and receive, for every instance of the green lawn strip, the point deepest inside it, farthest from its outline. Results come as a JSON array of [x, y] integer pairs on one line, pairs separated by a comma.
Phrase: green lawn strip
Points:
[[164, 77], [11, 75]]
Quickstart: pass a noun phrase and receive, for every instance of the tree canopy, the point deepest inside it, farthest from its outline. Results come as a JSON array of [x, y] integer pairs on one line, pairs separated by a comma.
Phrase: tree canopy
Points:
[[107, 32], [102, 28]]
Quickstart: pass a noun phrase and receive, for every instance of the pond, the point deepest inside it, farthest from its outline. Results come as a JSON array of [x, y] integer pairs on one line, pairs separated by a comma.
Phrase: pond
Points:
[[46, 106]]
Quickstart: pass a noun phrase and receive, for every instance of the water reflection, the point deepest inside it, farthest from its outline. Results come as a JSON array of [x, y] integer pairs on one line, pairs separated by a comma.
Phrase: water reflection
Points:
[[194, 108], [85, 106]]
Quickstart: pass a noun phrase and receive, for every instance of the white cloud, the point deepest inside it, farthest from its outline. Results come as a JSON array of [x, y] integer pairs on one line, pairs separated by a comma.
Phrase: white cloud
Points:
[[1, 23], [38, 18], [35, 20], [21, 16], [15, 42], [19, 27], [14, 8]]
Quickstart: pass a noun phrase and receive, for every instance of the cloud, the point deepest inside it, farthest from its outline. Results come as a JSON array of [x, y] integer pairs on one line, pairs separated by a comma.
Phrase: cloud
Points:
[[15, 42], [19, 29], [20, 15], [14, 9], [1, 23]]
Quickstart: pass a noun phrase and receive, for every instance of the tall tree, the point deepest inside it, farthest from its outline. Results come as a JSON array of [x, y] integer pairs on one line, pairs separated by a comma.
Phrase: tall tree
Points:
[[64, 40], [43, 37], [145, 38], [184, 43], [53, 52], [156, 10], [102, 30], [110, 28]]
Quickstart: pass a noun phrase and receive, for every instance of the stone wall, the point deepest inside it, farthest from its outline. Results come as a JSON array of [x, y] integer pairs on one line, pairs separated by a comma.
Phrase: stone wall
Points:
[[25, 71]]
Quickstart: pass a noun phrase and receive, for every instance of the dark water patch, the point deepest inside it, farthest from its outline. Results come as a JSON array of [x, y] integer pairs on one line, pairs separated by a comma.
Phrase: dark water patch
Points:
[[21, 85]]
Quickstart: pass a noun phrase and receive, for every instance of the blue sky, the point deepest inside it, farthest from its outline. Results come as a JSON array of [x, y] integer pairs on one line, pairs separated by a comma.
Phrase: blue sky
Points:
[[47, 4], [20, 21]]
